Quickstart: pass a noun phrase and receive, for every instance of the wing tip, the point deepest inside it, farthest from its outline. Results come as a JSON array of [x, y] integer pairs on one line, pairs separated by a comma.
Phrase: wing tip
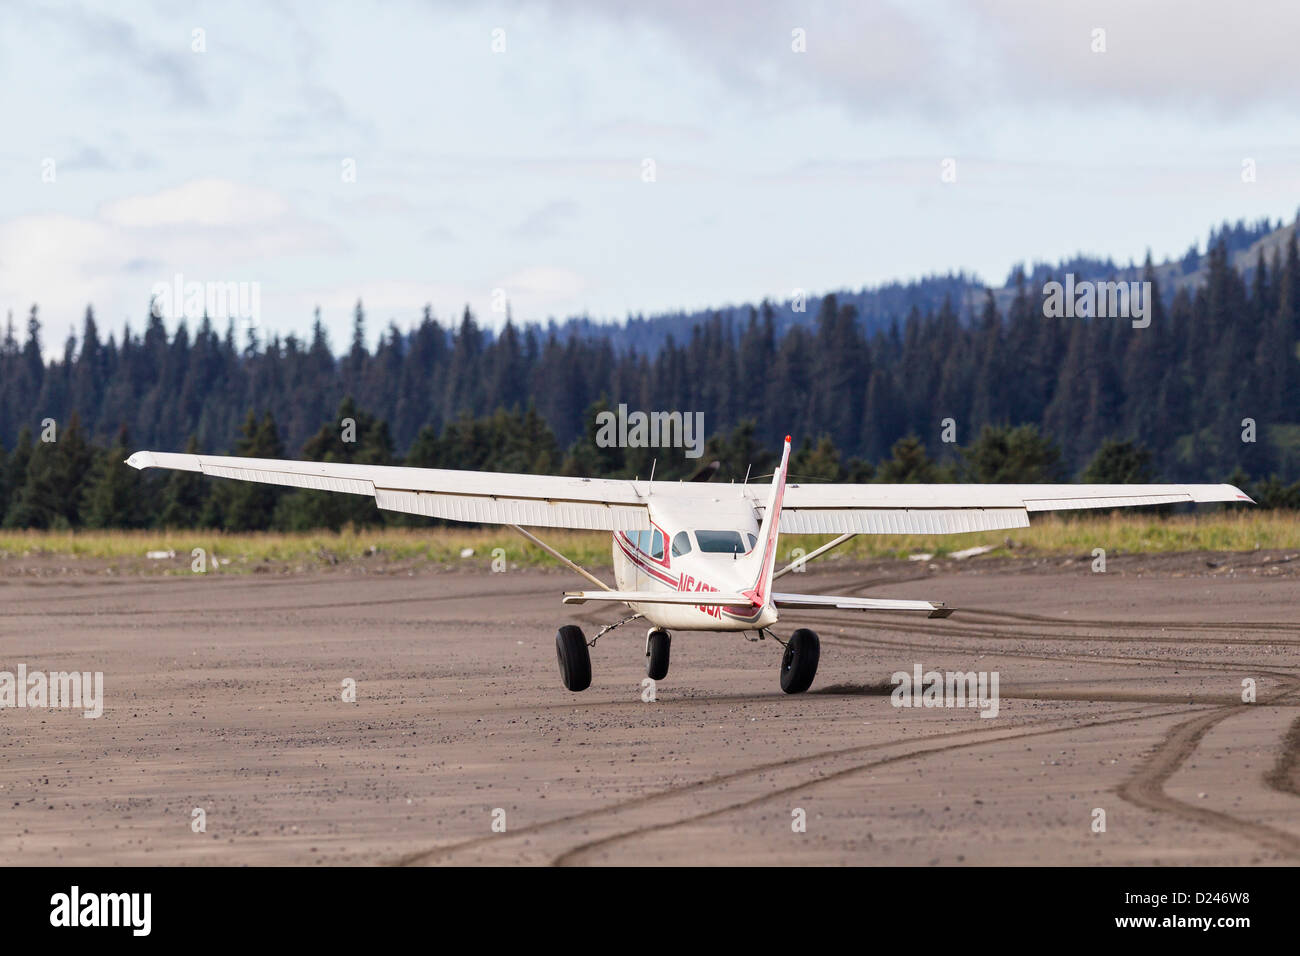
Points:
[[141, 460]]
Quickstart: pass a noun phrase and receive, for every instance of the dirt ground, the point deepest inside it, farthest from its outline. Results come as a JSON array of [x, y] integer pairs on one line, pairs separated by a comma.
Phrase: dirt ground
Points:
[[1120, 696]]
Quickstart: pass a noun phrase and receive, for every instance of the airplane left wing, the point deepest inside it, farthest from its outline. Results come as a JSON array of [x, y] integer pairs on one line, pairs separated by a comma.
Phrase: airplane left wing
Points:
[[957, 508]]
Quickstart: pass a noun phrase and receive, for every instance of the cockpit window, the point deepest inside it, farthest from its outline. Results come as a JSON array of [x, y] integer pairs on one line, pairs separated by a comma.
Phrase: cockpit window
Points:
[[681, 544], [648, 542], [721, 542]]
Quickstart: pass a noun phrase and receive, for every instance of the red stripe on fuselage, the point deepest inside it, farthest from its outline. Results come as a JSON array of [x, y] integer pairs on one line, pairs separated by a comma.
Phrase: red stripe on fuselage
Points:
[[636, 559]]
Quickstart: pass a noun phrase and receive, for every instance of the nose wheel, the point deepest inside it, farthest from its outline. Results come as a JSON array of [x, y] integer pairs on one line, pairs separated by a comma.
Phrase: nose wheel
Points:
[[799, 662], [657, 645]]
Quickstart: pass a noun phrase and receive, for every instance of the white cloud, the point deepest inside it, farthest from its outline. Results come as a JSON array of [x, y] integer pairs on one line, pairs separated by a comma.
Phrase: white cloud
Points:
[[200, 202], [547, 221], [207, 229]]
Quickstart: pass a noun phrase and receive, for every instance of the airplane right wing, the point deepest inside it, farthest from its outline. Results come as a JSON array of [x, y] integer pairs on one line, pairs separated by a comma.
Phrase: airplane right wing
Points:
[[551, 501]]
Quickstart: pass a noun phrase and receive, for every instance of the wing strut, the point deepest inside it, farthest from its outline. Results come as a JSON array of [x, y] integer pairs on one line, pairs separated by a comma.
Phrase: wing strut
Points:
[[561, 558], [816, 554]]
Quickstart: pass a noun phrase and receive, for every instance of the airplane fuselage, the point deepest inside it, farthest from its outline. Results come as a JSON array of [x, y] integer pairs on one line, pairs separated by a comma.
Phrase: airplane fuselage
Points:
[[708, 547]]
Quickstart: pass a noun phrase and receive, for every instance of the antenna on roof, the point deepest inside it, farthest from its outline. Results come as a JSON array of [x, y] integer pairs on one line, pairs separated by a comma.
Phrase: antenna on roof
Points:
[[652, 474], [747, 467]]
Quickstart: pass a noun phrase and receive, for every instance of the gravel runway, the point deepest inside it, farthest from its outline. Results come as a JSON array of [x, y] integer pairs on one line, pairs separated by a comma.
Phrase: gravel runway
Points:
[[1120, 694]]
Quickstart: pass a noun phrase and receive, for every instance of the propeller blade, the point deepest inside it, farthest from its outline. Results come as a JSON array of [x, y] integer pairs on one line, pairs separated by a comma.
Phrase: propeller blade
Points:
[[707, 472]]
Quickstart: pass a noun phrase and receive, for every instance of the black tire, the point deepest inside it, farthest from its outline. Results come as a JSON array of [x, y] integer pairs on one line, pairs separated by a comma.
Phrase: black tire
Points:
[[799, 662], [574, 656], [657, 647]]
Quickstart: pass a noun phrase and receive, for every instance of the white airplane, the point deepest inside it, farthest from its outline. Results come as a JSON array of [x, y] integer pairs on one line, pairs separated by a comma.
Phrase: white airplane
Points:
[[690, 555]]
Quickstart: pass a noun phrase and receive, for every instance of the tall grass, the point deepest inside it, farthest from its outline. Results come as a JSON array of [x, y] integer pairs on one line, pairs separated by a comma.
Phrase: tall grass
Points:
[[1244, 530]]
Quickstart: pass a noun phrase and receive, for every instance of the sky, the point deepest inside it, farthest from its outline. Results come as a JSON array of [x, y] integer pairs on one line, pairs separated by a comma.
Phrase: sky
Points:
[[557, 158]]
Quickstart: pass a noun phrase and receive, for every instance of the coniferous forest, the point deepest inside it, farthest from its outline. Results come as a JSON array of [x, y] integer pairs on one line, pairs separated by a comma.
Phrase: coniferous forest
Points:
[[1210, 391]]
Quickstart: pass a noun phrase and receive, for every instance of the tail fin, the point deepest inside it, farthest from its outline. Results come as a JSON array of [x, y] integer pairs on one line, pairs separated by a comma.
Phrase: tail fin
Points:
[[765, 553]]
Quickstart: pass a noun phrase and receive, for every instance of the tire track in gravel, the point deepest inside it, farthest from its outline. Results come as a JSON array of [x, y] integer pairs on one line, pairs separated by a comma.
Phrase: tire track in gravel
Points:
[[437, 854], [929, 647], [1018, 616], [1146, 787], [572, 855], [958, 629], [333, 605], [1285, 775]]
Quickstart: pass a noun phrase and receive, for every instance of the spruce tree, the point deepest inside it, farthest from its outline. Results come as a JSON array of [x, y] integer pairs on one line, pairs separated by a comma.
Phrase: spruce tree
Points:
[[114, 492], [183, 495], [1119, 463], [246, 505], [15, 476], [1006, 455], [56, 474]]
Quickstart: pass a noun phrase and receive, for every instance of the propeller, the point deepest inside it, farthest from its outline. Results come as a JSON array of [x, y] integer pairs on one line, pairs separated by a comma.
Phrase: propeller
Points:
[[706, 472]]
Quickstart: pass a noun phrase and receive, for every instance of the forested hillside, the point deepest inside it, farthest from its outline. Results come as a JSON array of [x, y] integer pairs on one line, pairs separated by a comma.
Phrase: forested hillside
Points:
[[1216, 367]]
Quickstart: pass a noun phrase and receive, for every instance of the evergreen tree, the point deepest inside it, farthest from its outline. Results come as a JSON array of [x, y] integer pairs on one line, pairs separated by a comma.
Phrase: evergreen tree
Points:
[[1119, 463], [354, 437], [114, 491], [245, 505], [1006, 455], [909, 464], [816, 463], [183, 495], [15, 476], [56, 473]]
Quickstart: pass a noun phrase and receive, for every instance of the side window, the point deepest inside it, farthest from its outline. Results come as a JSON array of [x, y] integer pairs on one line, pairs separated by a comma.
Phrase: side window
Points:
[[643, 541], [681, 544], [753, 540], [657, 546]]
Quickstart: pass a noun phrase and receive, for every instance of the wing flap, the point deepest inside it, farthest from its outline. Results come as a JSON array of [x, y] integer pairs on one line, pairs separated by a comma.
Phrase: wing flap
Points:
[[485, 509], [900, 520]]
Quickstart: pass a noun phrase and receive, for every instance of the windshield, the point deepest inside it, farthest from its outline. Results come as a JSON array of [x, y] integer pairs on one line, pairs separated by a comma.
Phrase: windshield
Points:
[[721, 542]]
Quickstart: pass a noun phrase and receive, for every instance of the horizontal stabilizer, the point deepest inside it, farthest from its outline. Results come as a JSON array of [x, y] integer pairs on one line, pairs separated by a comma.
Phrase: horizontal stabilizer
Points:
[[692, 598], [932, 609]]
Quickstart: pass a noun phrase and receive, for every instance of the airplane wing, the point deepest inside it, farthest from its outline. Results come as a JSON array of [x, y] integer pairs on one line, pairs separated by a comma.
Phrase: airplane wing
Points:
[[813, 601], [956, 508], [619, 505], [486, 497]]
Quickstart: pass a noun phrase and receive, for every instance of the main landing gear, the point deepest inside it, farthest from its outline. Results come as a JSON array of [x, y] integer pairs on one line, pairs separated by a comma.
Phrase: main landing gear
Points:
[[799, 662], [574, 657], [657, 644]]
